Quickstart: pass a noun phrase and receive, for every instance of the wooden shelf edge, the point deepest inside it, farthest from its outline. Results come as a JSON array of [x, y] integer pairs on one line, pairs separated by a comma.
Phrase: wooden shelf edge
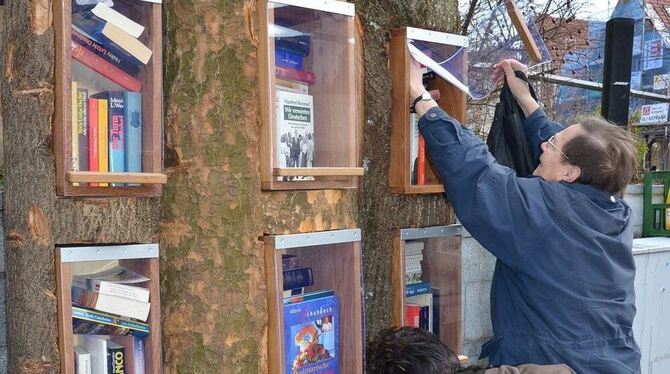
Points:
[[103, 177], [319, 172], [416, 190]]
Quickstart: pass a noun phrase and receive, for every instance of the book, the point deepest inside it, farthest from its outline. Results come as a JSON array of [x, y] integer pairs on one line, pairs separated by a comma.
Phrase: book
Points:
[[120, 61], [115, 274], [134, 352], [294, 292], [436, 311], [116, 130], [92, 131], [413, 247], [133, 134], [296, 278], [82, 127], [423, 300], [74, 165], [82, 360], [413, 146], [311, 336], [96, 346], [291, 86], [412, 314], [110, 15], [417, 288], [87, 321], [289, 59], [294, 131], [90, 28], [424, 318], [421, 162], [126, 41], [104, 68], [113, 304], [116, 362], [308, 296], [103, 142], [295, 75], [86, 288], [298, 44]]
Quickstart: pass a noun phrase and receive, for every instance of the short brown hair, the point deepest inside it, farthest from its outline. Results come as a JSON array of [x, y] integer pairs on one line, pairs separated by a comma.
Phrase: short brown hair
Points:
[[606, 154]]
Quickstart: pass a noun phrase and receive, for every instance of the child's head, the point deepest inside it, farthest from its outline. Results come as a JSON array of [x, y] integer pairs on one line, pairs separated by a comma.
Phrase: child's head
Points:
[[410, 350]]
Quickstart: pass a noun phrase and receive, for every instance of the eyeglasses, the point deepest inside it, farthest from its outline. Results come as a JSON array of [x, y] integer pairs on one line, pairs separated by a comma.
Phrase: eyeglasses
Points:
[[552, 143]]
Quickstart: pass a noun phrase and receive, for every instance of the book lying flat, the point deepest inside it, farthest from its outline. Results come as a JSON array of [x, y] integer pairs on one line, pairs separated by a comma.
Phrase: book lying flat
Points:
[[108, 14], [86, 321]]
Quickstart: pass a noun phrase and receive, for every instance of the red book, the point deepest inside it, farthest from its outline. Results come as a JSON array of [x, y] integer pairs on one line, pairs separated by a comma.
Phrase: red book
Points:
[[295, 75], [421, 163], [104, 68], [93, 164], [412, 312]]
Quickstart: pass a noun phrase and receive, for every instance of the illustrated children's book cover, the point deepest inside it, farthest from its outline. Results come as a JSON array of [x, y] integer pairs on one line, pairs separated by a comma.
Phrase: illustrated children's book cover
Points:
[[311, 335]]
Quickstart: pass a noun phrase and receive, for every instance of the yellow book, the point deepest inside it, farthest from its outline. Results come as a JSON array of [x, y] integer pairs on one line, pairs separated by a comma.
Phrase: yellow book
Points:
[[103, 142], [75, 137]]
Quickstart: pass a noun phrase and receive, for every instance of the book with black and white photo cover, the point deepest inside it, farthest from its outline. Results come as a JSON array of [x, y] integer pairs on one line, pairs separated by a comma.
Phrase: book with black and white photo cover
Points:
[[294, 143]]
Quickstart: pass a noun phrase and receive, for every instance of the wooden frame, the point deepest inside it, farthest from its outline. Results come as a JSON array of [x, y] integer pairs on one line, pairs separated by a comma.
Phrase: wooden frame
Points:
[[442, 267], [336, 266], [152, 123], [337, 161], [451, 100], [148, 267]]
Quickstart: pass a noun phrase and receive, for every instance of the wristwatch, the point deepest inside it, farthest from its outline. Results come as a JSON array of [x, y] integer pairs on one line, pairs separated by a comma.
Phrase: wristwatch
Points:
[[425, 96]]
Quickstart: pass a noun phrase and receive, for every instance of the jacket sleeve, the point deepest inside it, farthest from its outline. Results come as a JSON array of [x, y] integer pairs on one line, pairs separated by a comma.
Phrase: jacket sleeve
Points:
[[506, 214], [538, 128]]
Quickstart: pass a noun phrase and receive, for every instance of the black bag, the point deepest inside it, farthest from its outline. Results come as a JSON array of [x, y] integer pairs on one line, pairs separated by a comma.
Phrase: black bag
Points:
[[506, 140]]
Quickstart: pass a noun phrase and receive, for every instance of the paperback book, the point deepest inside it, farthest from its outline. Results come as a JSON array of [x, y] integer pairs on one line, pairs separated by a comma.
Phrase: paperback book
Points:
[[311, 337], [295, 131]]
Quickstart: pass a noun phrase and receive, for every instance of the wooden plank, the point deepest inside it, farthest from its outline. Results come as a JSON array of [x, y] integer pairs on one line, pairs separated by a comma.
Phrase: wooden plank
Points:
[[310, 185], [399, 171], [266, 94], [522, 29], [64, 298], [398, 279], [148, 190], [152, 91], [62, 93], [97, 176], [319, 171], [275, 286]]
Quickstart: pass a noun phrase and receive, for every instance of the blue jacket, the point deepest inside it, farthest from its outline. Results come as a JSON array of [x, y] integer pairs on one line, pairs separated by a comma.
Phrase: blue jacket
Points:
[[562, 289]]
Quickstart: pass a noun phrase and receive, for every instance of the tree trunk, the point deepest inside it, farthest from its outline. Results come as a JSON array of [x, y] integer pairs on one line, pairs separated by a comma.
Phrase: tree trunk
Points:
[[36, 220], [380, 211]]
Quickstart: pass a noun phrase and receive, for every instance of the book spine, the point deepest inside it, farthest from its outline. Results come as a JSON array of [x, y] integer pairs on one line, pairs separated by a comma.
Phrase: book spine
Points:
[[288, 59], [421, 167], [105, 53], [90, 27], [111, 33], [103, 156], [295, 44], [116, 361], [104, 68], [417, 288], [74, 165], [412, 315], [296, 75], [93, 151], [138, 328], [133, 127], [297, 278], [116, 132], [424, 317], [436, 311], [82, 128]]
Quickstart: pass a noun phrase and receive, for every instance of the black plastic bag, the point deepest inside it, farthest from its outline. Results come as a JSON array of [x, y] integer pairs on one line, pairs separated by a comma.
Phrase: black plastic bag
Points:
[[506, 140]]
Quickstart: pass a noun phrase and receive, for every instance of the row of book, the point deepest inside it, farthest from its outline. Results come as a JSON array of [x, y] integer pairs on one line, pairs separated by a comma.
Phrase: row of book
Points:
[[311, 322], [109, 319], [106, 131], [421, 299]]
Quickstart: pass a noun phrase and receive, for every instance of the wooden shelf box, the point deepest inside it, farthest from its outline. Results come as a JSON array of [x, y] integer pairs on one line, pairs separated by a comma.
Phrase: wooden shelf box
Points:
[[335, 260], [440, 266], [403, 130], [97, 87], [73, 260], [309, 131]]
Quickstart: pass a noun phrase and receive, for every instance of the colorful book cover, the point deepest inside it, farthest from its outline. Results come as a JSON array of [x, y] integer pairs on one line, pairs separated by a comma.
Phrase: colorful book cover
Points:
[[294, 74], [82, 318], [120, 61], [133, 133], [92, 130], [417, 288], [116, 130], [134, 352], [91, 27], [74, 165], [116, 361], [103, 146], [294, 142], [311, 336], [299, 44], [82, 127], [104, 68]]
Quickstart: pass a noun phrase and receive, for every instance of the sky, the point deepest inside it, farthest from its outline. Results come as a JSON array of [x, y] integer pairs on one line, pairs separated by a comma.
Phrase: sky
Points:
[[594, 9]]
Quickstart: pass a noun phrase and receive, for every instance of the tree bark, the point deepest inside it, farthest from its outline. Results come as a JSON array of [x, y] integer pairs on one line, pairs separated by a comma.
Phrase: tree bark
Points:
[[36, 220]]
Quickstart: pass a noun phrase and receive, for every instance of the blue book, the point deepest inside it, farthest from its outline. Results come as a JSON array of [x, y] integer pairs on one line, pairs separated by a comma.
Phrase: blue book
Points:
[[133, 122], [311, 336], [417, 288], [299, 44], [288, 59], [86, 321], [307, 296], [436, 311], [116, 130]]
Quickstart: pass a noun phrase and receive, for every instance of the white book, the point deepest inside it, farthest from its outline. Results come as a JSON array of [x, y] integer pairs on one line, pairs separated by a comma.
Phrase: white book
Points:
[[140, 294], [108, 14], [123, 307], [82, 360], [413, 247], [96, 346], [126, 41], [294, 141]]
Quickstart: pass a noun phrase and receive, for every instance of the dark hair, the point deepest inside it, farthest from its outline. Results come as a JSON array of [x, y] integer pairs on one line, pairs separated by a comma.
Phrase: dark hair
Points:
[[606, 154], [410, 350]]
